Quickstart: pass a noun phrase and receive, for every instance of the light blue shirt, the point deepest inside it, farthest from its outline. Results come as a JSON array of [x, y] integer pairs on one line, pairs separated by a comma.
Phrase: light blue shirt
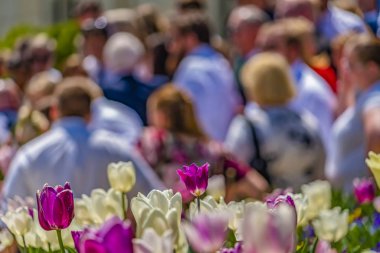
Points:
[[336, 21], [117, 118], [70, 152], [349, 141], [208, 79]]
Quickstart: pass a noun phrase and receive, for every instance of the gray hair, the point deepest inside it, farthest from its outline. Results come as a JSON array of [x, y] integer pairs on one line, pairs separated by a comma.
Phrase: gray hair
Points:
[[122, 51], [249, 14]]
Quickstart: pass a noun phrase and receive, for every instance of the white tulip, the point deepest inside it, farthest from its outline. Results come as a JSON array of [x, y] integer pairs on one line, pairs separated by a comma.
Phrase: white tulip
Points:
[[6, 239], [216, 187], [98, 207], [331, 225], [161, 211], [18, 222], [302, 204], [207, 204], [122, 176], [151, 242], [319, 197]]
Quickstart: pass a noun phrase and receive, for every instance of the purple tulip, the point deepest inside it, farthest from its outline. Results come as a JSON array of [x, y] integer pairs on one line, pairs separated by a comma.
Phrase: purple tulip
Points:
[[281, 199], [195, 178], [55, 207], [364, 190], [115, 236], [207, 232], [77, 236]]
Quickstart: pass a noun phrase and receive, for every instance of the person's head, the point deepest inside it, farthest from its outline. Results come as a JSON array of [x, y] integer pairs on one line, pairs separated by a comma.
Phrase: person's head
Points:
[[73, 98], [267, 80], [364, 60], [122, 20], [262, 4], [94, 32], [368, 5], [18, 64], [150, 20], [41, 54], [296, 8], [189, 31], [337, 46], [243, 24], [291, 37], [73, 67], [88, 10], [184, 6], [122, 52], [39, 87], [171, 109]]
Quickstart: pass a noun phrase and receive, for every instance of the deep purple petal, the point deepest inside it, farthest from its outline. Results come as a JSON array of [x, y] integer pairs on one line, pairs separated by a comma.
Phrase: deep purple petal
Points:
[[364, 190], [202, 179], [67, 186], [93, 246], [41, 218], [76, 235], [67, 199], [187, 180], [64, 209], [119, 239], [48, 198]]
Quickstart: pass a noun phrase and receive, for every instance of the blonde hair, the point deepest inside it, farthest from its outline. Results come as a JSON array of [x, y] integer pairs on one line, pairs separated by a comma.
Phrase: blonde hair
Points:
[[178, 109], [267, 81]]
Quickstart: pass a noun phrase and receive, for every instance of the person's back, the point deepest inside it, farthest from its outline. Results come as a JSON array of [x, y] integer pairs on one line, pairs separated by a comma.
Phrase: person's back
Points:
[[71, 152]]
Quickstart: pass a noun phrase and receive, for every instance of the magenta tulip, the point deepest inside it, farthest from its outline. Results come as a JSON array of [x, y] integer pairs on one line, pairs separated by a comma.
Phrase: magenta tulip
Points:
[[195, 178], [115, 236], [364, 190], [55, 207], [77, 235]]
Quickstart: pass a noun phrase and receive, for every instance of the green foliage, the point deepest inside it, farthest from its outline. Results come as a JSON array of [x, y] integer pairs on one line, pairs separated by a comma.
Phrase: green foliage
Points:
[[64, 33]]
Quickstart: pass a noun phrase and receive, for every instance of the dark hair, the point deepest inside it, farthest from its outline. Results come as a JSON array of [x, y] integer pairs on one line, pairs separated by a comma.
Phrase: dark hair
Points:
[[190, 5], [194, 22], [368, 50], [87, 6], [74, 96]]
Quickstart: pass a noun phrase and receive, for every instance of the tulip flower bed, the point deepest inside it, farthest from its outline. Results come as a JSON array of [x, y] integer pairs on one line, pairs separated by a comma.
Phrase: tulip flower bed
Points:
[[315, 220]]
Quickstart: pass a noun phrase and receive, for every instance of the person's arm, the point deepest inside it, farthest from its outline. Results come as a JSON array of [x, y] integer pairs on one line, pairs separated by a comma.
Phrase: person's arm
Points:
[[371, 122]]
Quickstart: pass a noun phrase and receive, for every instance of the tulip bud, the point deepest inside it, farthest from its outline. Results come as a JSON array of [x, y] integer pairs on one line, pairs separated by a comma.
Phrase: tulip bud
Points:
[[364, 190], [55, 207], [331, 225], [19, 222], [122, 176]]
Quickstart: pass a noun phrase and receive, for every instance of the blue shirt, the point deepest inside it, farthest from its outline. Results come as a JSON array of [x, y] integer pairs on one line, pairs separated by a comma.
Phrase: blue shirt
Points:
[[208, 79], [70, 152]]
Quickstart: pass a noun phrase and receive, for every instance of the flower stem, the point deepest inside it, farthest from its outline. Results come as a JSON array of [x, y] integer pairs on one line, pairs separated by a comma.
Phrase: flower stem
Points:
[[23, 241], [59, 235], [49, 246], [123, 197], [315, 245], [199, 204]]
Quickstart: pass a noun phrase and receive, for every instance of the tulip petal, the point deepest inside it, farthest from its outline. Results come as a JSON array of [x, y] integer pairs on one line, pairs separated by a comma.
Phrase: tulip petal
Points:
[[48, 197], [93, 246]]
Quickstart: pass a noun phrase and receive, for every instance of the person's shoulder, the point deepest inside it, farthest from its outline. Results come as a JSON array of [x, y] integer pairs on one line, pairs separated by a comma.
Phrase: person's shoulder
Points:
[[347, 18]]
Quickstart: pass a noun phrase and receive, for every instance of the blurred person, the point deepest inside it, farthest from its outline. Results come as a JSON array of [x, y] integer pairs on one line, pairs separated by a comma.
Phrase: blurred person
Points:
[[39, 87], [333, 21], [370, 9], [345, 87], [122, 20], [70, 152], [205, 75], [122, 53], [296, 8], [313, 93], [357, 130], [95, 36], [175, 138], [41, 56], [264, 5], [286, 141], [10, 102], [244, 23], [73, 67], [87, 10]]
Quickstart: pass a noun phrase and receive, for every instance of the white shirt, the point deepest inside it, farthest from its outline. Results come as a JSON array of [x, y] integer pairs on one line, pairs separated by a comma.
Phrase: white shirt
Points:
[[315, 96], [208, 79], [288, 141], [348, 161], [336, 21], [117, 118], [70, 152]]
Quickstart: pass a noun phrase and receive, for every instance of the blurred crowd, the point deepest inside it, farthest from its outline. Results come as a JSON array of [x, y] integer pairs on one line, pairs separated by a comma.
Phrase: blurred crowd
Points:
[[289, 94]]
